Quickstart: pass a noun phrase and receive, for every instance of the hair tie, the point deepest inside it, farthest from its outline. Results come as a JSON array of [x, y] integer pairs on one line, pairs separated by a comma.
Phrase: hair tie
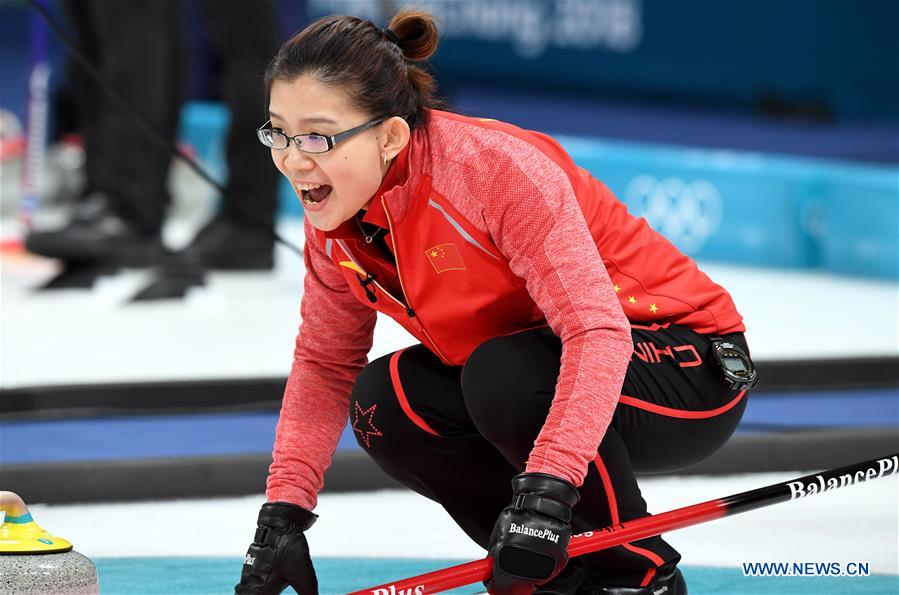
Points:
[[391, 36]]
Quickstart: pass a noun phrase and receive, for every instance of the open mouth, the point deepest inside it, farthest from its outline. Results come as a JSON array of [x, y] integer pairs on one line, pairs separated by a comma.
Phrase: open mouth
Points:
[[314, 193]]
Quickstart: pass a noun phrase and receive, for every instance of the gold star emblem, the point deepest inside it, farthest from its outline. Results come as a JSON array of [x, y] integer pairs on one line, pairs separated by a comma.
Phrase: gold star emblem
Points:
[[653, 308], [616, 288], [632, 299], [434, 253]]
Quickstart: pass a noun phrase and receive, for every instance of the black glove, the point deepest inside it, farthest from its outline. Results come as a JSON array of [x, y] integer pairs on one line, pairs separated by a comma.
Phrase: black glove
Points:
[[531, 535], [279, 554]]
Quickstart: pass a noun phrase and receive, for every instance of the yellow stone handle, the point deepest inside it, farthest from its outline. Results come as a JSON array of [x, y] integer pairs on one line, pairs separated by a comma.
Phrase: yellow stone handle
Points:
[[20, 534]]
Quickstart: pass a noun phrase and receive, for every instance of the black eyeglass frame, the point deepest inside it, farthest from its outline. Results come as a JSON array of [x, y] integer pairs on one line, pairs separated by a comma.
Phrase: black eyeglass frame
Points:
[[331, 140]]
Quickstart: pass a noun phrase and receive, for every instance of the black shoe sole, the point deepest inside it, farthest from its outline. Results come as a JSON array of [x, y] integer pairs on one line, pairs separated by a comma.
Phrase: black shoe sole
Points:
[[125, 254]]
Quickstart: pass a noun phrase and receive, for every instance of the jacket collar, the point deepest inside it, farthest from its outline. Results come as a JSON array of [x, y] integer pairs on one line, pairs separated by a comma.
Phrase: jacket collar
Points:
[[394, 188]]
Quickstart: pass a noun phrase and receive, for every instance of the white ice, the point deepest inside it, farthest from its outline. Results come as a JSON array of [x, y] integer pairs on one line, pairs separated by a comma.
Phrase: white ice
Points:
[[855, 523], [243, 325]]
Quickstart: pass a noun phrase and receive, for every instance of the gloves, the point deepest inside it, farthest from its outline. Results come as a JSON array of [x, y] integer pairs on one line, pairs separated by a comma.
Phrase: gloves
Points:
[[531, 535], [279, 554]]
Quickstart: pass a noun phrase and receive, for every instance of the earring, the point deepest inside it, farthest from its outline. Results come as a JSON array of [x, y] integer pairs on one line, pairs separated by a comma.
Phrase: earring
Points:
[[385, 159]]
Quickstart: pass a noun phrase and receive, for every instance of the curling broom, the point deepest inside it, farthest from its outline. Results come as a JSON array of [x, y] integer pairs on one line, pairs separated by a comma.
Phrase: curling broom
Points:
[[591, 541]]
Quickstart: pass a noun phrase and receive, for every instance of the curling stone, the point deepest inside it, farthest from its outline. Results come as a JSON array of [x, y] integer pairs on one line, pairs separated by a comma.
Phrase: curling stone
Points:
[[35, 562]]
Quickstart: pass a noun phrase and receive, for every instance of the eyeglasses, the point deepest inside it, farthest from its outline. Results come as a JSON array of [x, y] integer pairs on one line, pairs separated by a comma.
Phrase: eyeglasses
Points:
[[308, 143]]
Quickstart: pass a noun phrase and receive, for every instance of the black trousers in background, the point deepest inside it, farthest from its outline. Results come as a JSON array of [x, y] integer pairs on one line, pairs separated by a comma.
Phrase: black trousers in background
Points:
[[138, 47], [244, 37], [457, 435]]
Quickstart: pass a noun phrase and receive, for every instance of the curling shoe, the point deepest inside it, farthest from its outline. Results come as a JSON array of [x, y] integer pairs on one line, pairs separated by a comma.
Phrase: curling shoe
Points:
[[97, 234], [231, 245], [667, 581]]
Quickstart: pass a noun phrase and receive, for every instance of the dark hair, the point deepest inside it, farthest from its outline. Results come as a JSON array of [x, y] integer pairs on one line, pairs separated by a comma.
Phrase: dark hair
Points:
[[375, 66]]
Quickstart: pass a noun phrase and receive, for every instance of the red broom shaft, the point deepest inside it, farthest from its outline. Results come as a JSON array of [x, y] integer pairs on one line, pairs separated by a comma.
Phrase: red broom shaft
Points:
[[592, 541], [437, 581], [479, 570], [646, 527]]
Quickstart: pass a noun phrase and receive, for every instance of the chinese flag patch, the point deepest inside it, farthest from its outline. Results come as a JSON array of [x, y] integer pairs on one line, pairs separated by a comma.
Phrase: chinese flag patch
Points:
[[445, 257]]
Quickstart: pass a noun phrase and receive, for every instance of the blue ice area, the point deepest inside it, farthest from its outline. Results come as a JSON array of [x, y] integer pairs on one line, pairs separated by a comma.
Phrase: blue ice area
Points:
[[202, 576], [223, 434], [110, 438], [821, 409]]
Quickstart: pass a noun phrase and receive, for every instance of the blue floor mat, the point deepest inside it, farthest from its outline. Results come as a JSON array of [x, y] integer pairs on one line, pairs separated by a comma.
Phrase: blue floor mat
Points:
[[206, 576], [809, 410], [160, 436]]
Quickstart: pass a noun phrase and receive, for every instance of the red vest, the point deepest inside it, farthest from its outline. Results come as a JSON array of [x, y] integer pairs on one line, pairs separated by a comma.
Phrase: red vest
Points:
[[459, 291]]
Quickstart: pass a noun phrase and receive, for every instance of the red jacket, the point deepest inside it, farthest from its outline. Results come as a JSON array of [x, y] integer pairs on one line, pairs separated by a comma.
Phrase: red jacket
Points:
[[494, 230]]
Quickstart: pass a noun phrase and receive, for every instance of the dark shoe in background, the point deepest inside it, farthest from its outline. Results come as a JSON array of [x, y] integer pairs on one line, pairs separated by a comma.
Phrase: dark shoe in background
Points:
[[225, 244], [96, 234], [172, 281], [77, 274]]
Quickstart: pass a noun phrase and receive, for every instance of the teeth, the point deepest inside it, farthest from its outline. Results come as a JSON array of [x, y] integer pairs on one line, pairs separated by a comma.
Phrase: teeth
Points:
[[306, 186]]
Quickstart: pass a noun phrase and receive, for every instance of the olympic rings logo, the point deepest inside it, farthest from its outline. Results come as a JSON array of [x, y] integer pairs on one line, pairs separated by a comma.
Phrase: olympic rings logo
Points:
[[687, 213]]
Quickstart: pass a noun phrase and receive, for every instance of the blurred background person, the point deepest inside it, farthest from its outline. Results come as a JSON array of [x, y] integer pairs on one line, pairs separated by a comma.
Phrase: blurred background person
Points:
[[120, 217], [119, 220], [244, 37]]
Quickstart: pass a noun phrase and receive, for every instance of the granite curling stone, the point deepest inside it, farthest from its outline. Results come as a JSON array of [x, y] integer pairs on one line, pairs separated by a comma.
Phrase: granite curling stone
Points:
[[34, 562]]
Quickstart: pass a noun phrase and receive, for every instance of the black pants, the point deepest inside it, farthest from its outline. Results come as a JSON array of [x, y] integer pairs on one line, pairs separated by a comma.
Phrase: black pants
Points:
[[244, 37], [138, 47], [458, 435]]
